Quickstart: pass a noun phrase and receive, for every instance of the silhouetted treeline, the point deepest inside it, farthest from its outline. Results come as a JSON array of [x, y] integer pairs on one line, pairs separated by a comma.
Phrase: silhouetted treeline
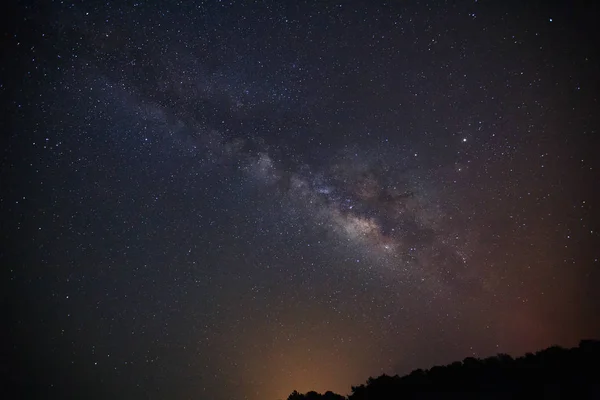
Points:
[[553, 373]]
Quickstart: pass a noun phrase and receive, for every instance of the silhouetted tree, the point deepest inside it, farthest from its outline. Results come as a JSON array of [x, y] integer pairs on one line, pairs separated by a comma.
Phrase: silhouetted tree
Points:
[[295, 396], [552, 373]]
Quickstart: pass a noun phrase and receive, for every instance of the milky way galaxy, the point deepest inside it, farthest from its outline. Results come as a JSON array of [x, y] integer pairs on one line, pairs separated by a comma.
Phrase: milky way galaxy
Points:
[[229, 200]]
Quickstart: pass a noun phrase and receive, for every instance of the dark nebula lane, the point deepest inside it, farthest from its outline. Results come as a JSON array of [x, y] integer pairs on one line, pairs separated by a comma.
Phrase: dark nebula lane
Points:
[[227, 200]]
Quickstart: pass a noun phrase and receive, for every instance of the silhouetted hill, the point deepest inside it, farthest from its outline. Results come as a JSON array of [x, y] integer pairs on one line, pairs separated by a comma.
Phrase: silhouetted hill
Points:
[[553, 373]]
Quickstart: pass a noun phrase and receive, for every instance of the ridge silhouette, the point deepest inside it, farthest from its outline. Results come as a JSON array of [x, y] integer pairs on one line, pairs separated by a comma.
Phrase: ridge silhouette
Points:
[[552, 373]]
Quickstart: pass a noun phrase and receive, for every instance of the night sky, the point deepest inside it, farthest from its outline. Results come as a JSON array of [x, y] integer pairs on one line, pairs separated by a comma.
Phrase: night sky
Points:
[[233, 200]]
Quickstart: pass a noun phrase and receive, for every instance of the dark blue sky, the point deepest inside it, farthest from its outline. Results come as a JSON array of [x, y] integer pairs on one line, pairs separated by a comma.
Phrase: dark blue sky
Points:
[[233, 200]]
